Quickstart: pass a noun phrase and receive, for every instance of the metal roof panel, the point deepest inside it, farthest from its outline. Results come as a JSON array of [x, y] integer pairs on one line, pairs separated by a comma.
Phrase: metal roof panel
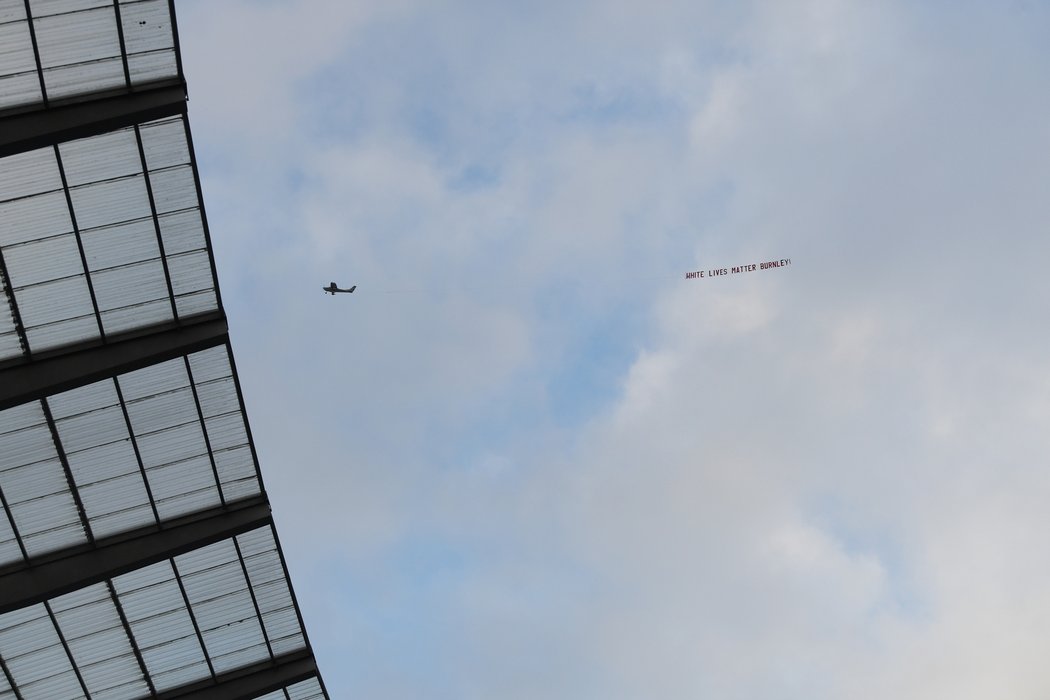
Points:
[[102, 232]]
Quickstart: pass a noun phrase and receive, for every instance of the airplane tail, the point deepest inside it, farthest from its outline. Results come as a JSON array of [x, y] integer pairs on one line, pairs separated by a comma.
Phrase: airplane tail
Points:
[[353, 288]]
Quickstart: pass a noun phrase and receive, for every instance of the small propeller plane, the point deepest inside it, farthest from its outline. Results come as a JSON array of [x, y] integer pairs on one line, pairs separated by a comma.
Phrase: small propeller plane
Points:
[[332, 289]]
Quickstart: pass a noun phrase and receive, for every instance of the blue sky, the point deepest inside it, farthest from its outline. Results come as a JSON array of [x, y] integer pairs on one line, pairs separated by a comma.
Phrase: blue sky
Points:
[[527, 459]]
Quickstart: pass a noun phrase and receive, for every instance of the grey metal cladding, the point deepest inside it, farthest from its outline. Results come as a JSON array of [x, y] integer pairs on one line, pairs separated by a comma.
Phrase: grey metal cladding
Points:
[[138, 555]]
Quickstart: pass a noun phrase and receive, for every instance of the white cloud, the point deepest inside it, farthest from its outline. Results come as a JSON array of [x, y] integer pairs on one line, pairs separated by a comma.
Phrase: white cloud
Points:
[[246, 61]]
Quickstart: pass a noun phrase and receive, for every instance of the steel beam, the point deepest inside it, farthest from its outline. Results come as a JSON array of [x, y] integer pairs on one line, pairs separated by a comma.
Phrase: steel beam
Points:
[[250, 681], [69, 368], [62, 572], [46, 126]]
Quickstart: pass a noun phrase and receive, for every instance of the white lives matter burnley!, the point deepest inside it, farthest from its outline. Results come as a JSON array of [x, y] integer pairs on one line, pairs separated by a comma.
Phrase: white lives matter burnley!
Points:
[[719, 271]]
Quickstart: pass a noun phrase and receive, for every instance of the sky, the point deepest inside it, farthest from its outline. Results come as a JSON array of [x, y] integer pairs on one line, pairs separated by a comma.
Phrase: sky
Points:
[[528, 458]]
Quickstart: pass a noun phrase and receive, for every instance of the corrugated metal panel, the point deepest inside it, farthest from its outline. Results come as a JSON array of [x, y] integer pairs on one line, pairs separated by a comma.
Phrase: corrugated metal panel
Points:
[[33, 481], [163, 411], [130, 317], [120, 244], [32, 218], [167, 431], [10, 346], [141, 280], [29, 173], [80, 52], [43, 8], [19, 82], [220, 601], [113, 212], [94, 436], [220, 405], [41, 506], [80, 47], [70, 81], [222, 604], [175, 192], [33, 652], [217, 396], [12, 10], [270, 583], [42, 257], [111, 202], [155, 379], [66, 38], [237, 473], [61, 298], [57, 313], [183, 232], [174, 189], [227, 431], [190, 272], [96, 465], [210, 366], [9, 551], [124, 247], [91, 625], [307, 690], [32, 206], [162, 627], [275, 695], [145, 67], [104, 157], [149, 39], [5, 689], [183, 487], [176, 444], [43, 260], [164, 143], [139, 286], [198, 303], [147, 26], [167, 428]]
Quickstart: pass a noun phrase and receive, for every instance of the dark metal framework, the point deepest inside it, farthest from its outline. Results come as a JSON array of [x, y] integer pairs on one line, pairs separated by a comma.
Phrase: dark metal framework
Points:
[[53, 575], [251, 682], [36, 52], [76, 366], [65, 647], [131, 636], [37, 580], [5, 278], [30, 130]]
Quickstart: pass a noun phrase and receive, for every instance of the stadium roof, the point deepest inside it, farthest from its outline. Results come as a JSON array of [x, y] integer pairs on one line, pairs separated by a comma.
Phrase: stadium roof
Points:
[[138, 556]]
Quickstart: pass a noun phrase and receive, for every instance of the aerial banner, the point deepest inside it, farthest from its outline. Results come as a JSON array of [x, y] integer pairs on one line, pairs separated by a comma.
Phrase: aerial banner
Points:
[[720, 271]]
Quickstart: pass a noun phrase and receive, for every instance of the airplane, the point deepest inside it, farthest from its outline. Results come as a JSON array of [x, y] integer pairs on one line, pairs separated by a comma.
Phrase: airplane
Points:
[[332, 289]]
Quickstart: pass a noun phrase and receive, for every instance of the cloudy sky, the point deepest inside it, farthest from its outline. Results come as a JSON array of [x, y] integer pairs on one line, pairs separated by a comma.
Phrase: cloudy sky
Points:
[[527, 458]]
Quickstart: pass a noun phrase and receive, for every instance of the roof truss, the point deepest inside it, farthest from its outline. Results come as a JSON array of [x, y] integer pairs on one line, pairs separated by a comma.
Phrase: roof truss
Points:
[[28, 130], [250, 682], [68, 570], [77, 98], [39, 378]]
